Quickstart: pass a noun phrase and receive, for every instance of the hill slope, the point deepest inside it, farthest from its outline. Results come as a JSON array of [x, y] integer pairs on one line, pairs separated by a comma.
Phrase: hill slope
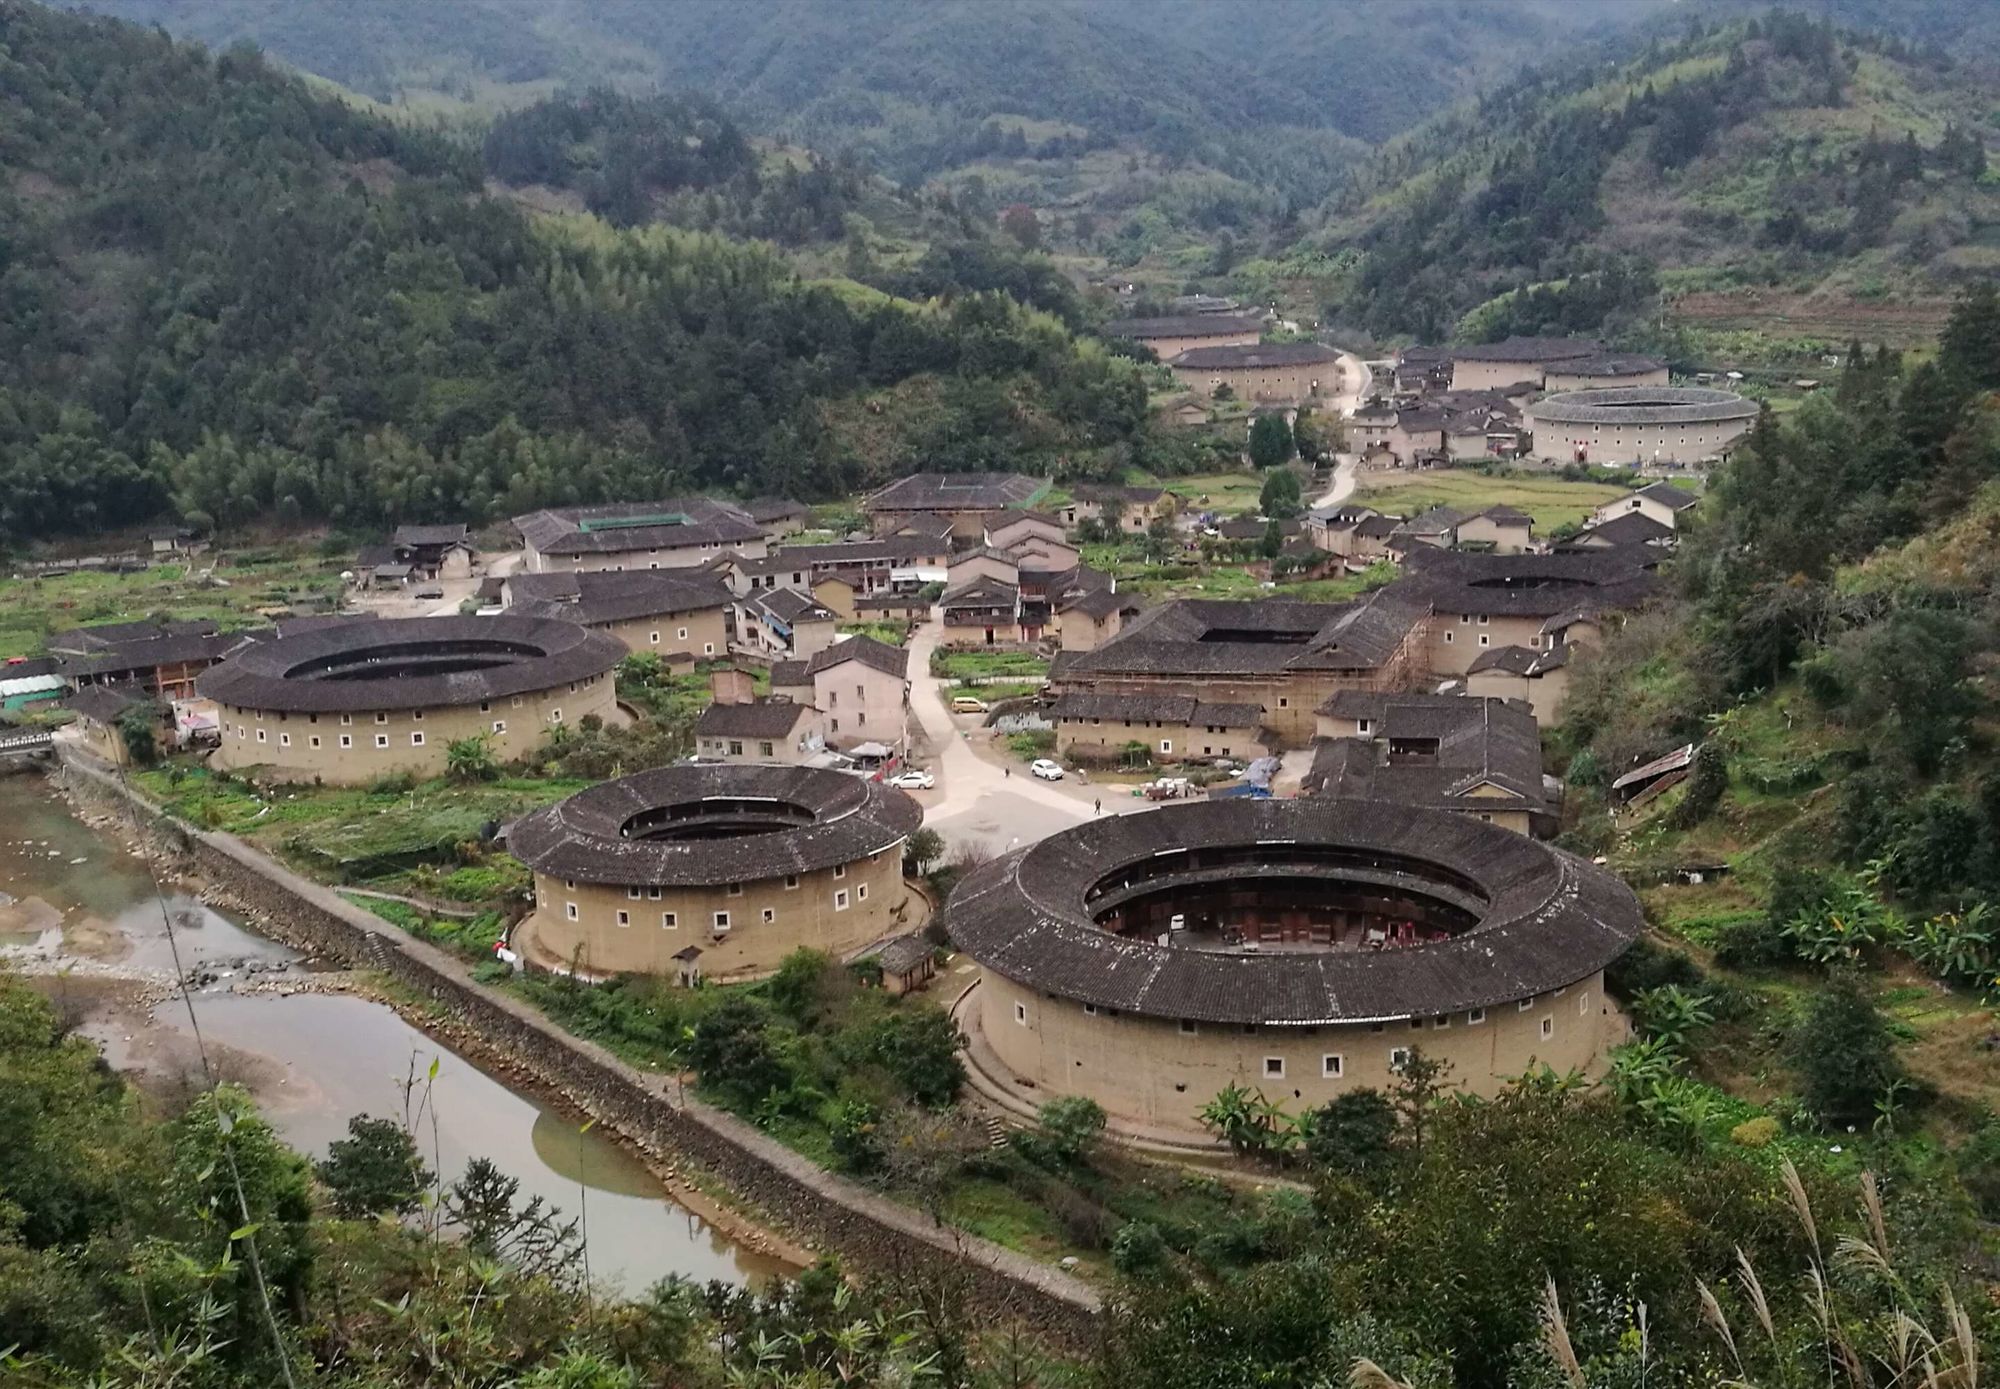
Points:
[[1777, 152], [222, 287]]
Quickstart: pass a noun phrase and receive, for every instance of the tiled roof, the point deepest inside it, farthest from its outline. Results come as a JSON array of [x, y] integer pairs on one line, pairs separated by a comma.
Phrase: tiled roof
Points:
[[787, 606], [877, 655], [1628, 528], [1524, 661], [584, 836], [410, 663], [188, 648], [107, 704], [597, 597], [771, 718], [1480, 742], [110, 635], [1269, 354], [676, 523], [1506, 515], [1457, 581], [1132, 496], [954, 492], [1668, 495], [1207, 637], [981, 591], [1519, 349], [1156, 708], [1545, 919], [889, 547], [765, 510], [425, 536]]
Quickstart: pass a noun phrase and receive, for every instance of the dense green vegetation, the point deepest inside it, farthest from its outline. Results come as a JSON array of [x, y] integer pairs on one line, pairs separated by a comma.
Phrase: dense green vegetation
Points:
[[227, 293], [1776, 151]]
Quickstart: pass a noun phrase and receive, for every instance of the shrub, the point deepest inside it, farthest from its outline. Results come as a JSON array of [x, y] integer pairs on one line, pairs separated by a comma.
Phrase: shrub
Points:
[[1846, 1054], [1069, 1127], [1751, 942], [1137, 1247], [1650, 965], [1755, 1133], [1979, 1168], [1355, 1133]]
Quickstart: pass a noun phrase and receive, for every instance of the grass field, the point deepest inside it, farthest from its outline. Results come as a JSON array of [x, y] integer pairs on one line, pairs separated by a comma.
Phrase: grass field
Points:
[[1551, 501], [1225, 492], [235, 593]]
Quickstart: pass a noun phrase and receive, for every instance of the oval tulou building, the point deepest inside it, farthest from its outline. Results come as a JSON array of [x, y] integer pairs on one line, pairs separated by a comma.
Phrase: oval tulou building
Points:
[[353, 701], [713, 871], [1299, 947], [1624, 424]]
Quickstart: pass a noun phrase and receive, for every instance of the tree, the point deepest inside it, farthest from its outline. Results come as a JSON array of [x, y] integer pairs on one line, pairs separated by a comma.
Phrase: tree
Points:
[[730, 1050], [1271, 442], [1707, 783], [1420, 1083], [1281, 497], [1273, 543], [924, 847], [924, 1150], [533, 1238], [1019, 221], [139, 727], [471, 759], [1845, 1053], [375, 1170], [1355, 1133], [1070, 1126]]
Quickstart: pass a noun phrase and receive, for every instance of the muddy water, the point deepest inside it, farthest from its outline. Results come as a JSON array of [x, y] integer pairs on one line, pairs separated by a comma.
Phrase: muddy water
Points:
[[74, 896]]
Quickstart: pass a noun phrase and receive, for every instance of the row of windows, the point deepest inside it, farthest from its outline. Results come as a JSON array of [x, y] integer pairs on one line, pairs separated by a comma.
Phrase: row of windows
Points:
[[381, 739], [416, 715], [670, 921], [1473, 1017]]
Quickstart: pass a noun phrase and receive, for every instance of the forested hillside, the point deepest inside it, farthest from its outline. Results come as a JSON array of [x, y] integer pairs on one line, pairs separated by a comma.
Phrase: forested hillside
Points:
[[1774, 152], [223, 290]]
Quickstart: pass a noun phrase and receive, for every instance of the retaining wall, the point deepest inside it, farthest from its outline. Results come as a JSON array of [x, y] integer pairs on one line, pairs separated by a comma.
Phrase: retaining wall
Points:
[[804, 1199]]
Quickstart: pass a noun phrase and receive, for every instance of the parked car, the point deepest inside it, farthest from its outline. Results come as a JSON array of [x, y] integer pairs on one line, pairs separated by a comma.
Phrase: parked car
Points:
[[966, 704], [1045, 769], [913, 780], [430, 595]]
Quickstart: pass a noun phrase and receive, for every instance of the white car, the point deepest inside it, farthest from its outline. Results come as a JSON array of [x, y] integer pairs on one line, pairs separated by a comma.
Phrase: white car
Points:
[[913, 780], [1045, 769]]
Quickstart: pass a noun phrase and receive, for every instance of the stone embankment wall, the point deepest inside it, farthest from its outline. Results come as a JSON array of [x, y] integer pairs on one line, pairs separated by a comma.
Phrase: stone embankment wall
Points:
[[802, 1198]]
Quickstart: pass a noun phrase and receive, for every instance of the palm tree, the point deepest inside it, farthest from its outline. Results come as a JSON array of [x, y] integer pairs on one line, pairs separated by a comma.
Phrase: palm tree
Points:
[[470, 759]]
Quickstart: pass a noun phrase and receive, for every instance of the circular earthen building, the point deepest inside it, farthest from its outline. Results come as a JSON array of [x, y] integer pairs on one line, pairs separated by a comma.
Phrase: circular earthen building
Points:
[[1624, 424], [713, 871], [1297, 947], [353, 701]]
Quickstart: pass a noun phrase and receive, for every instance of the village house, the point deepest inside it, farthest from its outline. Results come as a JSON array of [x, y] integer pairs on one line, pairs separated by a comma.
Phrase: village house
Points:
[[1605, 369], [1481, 602], [162, 658], [677, 533], [982, 563], [784, 623], [971, 500], [1172, 728], [165, 542], [1168, 337], [861, 685], [1516, 361], [434, 552], [1008, 531], [1086, 620], [1437, 528], [1450, 426], [836, 594], [1498, 530], [1283, 373], [1287, 658], [1625, 528], [1479, 757], [1128, 510], [1661, 502], [102, 712], [892, 607], [779, 516], [676, 615], [1359, 536], [982, 612], [776, 731], [1537, 676]]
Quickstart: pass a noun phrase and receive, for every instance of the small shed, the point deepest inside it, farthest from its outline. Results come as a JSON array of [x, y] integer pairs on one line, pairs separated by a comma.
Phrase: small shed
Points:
[[908, 963], [687, 966]]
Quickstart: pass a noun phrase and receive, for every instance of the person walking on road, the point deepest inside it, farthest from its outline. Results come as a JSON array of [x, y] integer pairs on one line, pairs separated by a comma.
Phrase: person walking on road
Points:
[[1097, 806]]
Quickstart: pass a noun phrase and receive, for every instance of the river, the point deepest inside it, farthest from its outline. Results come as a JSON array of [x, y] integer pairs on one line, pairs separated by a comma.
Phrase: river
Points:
[[71, 895]]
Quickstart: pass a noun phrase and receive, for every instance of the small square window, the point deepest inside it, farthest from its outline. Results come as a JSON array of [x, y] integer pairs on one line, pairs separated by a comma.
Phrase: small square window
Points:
[[840, 870], [683, 636], [840, 900], [1330, 1067], [765, 749], [1274, 1067], [569, 910], [654, 638], [769, 916], [499, 725], [624, 918], [1090, 1010], [652, 894], [260, 736], [633, 893], [1548, 1028], [791, 881], [555, 716], [1475, 1017], [861, 893], [1525, 1004], [315, 740], [346, 720], [668, 921], [381, 718], [721, 922], [416, 716], [416, 740], [1399, 1057], [284, 740], [1188, 1027], [381, 740], [736, 889], [347, 740], [1021, 1014], [1441, 1023]]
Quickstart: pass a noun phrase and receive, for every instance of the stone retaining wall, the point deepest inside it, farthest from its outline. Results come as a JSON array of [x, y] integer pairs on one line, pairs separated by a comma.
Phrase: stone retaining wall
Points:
[[802, 1198]]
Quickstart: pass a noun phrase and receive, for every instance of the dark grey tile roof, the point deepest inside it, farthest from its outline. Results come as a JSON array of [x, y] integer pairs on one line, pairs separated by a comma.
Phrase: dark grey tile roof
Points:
[[890, 548], [769, 718], [1505, 515], [410, 663], [765, 510], [1530, 350], [981, 591], [1097, 603], [190, 648], [682, 522], [904, 954], [1439, 520], [111, 635], [877, 655], [1525, 661], [1201, 325], [954, 492], [889, 602], [596, 597], [582, 837], [1479, 742], [1457, 581], [312, 622], [107, 704], [1208, 637], [1269, 354], [1156, 708], [1612, 364], [1545, 918], [1628, 528], [427, 536], [1666, 494], [1103, 492], [787, 606]]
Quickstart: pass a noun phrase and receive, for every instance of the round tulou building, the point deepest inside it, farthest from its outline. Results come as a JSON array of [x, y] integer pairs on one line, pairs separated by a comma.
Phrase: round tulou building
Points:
[[1297, 947], [713, 871], [1623, 424], [353, 701]]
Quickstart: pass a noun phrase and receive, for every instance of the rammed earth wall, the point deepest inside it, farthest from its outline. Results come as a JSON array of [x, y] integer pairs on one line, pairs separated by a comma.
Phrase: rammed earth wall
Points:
[[804, 1199]]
